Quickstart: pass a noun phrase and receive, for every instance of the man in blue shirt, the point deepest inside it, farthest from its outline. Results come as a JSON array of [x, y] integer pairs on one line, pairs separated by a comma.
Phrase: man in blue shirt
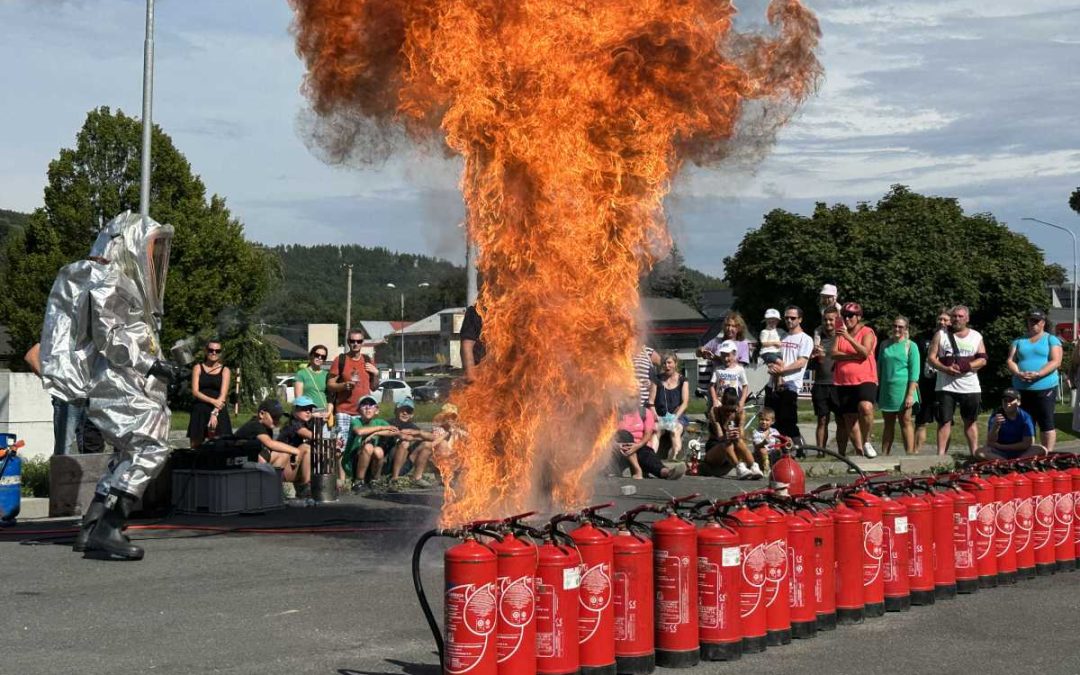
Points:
[[1010, 431]]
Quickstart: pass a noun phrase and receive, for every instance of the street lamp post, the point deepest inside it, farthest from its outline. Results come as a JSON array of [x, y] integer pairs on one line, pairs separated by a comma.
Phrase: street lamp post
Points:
[[401, 329], [1075, 264], [147, 112]]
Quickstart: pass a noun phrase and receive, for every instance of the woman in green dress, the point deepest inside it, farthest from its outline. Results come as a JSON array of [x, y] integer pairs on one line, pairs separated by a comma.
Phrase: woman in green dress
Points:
[[898, 393]]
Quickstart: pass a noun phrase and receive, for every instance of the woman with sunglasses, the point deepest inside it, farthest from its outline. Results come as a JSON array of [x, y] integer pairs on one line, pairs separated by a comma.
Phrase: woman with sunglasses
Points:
[[1034, 361], [310, 381], [899, 367], [210, 388]]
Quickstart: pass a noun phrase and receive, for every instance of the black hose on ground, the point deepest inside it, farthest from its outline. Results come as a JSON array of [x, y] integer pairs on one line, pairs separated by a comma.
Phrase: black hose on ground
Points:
[[418, 585]]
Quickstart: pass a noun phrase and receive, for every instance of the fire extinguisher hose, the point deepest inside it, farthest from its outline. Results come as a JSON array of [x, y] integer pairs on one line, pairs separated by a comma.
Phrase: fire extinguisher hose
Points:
[[418, 584]]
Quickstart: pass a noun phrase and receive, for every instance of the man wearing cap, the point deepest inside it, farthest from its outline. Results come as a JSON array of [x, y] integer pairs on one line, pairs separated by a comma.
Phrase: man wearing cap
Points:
[[1010, 431], [365, 449], [411, 451], [1034, 361], [957, 354], [294, 461]]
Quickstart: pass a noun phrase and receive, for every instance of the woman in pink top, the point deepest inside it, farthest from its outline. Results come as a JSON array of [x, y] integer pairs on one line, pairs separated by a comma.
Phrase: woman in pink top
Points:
[[634, 440], [856, 379]]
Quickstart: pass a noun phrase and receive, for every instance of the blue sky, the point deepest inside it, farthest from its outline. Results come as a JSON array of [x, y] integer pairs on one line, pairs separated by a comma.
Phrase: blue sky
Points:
[[974, 99]]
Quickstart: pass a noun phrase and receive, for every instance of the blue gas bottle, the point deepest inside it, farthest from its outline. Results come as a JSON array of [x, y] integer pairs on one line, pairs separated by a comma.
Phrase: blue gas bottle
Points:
[[10, 480]]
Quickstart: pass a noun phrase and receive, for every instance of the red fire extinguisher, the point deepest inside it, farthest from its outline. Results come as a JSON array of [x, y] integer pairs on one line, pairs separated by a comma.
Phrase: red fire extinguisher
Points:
[[1005, 529], [596, 615], [1024, 522], [470, 572], [777, 585], [786, 476], [1064, 545], [632, 596], [920, 549], [985, 527], [941, 506], [869, 508], [558, 584], [849, 560], [515, 633], [719, 585], [965, 509], [675, 569], [894, 555], [824, 570], [1075, 473], [751, 529], [802, 573], [1042, 531]]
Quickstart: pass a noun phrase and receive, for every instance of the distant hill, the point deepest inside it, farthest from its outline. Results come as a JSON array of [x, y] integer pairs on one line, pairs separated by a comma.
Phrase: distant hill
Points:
[[314, 284], [11, 221]]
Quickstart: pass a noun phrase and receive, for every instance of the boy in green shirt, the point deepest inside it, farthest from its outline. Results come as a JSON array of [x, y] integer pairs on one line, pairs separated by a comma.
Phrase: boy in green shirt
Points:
[[366, 441]]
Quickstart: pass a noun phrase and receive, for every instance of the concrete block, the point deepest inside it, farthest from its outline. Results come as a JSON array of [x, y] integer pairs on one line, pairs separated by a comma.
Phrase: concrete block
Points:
[[26, 411], [34, 507], [72, 479]]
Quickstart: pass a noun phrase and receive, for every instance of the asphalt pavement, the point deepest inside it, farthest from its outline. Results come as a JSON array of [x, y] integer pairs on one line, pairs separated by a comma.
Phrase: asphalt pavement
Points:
[[293, 601]]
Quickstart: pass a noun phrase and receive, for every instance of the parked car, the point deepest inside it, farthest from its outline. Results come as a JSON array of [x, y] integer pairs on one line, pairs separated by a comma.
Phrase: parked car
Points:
[[399, 389], [433, 390]]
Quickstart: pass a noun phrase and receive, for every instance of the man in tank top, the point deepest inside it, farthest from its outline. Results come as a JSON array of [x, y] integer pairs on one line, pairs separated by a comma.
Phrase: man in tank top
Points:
[[957, 353]]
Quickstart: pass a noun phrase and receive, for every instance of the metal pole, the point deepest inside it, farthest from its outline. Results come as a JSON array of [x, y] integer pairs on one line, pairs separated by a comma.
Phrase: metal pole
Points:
[[403, 335], [147, 111], [1076, 262], [348, 306], [470, 271]]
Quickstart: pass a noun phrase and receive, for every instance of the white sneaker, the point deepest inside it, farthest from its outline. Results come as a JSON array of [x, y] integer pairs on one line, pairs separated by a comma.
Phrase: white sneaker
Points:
[[869, 450], [742, 472], [756, 471]]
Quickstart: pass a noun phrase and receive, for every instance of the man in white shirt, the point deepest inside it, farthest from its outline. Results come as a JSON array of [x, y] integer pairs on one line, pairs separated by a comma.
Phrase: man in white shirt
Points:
[[795, 350], [957, 354]]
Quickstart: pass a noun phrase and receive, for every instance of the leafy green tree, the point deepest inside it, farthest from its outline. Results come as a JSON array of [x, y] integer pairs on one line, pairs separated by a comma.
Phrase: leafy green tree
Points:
[[910, 254], [1074, 200], [670, 278], [212, 267]]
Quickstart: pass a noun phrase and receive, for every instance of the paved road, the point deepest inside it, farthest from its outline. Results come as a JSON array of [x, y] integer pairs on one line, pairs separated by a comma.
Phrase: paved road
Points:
[[343, 603]]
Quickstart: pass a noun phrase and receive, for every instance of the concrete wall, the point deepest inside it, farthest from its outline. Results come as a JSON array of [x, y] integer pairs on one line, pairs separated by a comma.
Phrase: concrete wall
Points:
[[26, 411]]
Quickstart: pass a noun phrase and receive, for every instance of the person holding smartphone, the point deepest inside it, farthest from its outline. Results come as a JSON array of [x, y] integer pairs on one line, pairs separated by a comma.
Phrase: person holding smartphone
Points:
[[1010, 432]]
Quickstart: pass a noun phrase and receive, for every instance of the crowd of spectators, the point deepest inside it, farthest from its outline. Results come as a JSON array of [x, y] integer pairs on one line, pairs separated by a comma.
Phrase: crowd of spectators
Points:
[[914, 382]]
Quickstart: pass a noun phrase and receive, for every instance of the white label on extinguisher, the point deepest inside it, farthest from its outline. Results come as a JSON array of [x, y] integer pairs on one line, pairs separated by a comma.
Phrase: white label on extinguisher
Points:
[[730, 557], [973, 512], [571, 578], [901, 526], [672, 590], [470, 620]]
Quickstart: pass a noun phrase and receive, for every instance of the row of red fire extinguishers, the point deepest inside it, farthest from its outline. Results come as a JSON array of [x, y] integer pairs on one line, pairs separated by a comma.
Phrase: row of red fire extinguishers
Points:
[[712, 580]]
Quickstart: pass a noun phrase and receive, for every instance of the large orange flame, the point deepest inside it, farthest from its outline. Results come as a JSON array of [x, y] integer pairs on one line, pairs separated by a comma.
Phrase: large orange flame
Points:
[[572, 117]]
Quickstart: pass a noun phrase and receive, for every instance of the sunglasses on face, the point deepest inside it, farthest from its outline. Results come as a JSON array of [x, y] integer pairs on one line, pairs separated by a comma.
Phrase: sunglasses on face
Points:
[[791, 318], [319, 357], [355, 342], [213, 351], [848, 315]]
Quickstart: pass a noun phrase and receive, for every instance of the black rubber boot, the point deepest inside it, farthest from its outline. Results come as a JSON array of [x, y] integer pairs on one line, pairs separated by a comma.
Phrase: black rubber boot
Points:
[[107, 540], [93, 514]]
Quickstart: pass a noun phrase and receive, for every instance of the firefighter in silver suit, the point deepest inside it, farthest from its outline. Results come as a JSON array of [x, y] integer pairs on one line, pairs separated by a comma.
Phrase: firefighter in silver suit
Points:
[[100, 345]]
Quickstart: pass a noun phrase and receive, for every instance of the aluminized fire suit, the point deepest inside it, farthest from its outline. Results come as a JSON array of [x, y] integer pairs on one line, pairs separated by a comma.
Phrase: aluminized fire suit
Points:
[[100, 342]]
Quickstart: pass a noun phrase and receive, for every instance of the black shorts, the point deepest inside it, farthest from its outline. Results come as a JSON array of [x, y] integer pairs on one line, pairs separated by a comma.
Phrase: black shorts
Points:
[[825, 399], [948, 402], [851, 395], [926, 410], [1040, 405]]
